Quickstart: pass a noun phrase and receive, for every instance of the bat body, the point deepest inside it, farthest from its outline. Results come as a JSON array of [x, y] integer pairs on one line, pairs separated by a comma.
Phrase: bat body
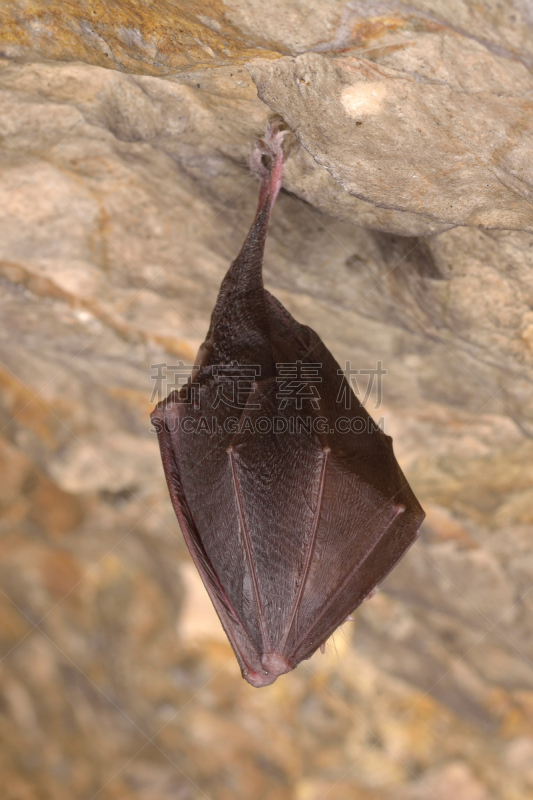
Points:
[[290, 500]]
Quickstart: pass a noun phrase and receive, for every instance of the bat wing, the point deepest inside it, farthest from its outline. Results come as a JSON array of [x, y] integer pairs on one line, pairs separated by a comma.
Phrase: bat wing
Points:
[[321, 535], [208, 524], [362, 516], [246, 513]]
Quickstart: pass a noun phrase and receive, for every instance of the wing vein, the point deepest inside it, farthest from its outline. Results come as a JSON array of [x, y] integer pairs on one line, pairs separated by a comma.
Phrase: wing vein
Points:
[[310, 551], [245, 533], [347, 579]]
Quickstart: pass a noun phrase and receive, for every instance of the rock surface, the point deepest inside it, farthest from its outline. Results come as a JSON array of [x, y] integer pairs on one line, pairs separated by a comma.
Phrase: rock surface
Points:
[[404, 235]]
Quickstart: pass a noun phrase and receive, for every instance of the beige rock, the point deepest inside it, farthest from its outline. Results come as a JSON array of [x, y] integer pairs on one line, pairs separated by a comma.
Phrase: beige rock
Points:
[[519, 756], [455, 781], [124, 194], [376, 129]]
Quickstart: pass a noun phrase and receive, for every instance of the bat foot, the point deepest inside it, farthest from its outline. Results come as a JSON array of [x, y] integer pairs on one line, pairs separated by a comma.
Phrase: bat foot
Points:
[[267, 161]]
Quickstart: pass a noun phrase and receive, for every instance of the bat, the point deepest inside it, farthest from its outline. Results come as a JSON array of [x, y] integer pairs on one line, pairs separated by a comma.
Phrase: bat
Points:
[[288, 495]]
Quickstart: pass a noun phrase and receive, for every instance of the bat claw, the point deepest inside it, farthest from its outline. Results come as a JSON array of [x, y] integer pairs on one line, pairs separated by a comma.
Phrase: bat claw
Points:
[[270, 145]]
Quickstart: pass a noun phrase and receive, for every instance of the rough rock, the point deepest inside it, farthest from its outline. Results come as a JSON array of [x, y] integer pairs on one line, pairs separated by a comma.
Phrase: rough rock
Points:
[[377, 126], [406, 239]]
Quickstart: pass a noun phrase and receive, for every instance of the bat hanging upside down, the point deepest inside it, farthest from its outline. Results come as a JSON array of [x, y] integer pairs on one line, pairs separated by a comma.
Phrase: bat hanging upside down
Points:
[[288, 495]]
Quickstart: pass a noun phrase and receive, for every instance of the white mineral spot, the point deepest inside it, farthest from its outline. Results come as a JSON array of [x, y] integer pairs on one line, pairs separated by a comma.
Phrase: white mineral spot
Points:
[[83, 316], [364, 98]]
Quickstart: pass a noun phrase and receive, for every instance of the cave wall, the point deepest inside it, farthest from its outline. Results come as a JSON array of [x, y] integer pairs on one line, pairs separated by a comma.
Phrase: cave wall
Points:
[[403, 234]]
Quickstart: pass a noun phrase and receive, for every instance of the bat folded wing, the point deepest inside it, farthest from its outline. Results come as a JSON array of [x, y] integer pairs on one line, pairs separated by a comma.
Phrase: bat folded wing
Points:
[[216, 556], [287, 536]]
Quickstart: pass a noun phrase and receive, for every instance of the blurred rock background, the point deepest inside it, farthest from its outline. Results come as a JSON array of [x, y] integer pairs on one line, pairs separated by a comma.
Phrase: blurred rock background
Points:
[[404, 234]]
